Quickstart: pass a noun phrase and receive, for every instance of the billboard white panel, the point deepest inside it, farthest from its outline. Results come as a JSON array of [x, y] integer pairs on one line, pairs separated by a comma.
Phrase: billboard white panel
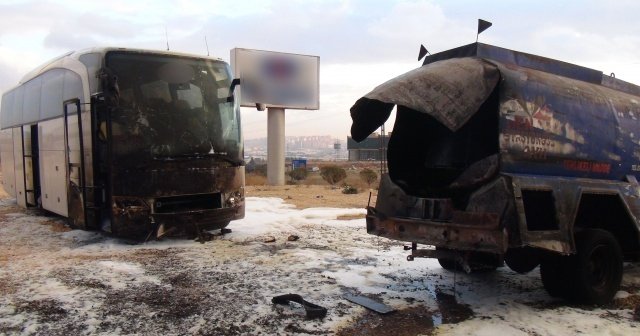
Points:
[[276, 79]]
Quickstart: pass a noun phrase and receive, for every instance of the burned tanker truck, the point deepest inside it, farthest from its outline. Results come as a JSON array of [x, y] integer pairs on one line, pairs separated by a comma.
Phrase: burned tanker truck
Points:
[[498, 156]]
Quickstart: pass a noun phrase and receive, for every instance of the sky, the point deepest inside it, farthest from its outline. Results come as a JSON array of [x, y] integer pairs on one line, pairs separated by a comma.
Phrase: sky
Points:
[[361, 43]]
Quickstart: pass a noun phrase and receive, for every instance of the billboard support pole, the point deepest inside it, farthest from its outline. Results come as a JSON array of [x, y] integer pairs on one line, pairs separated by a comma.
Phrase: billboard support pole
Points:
[[275, 146]]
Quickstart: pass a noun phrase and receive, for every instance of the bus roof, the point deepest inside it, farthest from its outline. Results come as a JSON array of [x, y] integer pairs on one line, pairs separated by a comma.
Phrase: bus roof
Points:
[[59, 62]]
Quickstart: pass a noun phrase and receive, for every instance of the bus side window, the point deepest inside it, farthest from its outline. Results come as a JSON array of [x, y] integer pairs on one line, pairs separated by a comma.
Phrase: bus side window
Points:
[[32, 97], [72, 87], [18, 105], [6, 115], [93, 62], [51, 96]]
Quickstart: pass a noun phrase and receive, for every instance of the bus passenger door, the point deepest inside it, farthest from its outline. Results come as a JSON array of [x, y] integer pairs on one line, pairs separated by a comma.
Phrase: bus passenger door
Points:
[[100, 144], [30, 164], [74, 156]]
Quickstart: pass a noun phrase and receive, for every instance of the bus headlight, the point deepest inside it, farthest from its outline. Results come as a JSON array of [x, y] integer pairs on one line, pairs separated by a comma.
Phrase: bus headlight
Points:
[[234, 198]]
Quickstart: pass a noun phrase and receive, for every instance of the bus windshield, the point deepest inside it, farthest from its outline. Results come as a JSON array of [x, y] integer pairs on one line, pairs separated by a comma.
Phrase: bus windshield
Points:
[[172, 107]]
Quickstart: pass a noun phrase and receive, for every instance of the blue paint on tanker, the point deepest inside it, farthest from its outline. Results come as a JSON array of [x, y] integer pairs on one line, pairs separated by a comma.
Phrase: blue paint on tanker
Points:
[[554, 125]]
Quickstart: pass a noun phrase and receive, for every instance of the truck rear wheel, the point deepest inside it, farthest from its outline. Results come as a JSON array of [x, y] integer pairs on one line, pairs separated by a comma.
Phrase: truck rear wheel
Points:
[[554, 275], [596, 268]]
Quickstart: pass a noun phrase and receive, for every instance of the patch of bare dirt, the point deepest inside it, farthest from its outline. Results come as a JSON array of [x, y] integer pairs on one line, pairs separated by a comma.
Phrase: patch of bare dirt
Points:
[[407, 322], [630, 302], [8, 209], [416, 320], [311, 196], [56, 225], [3, 194], [351, 217], [47, 310], [7, 286]]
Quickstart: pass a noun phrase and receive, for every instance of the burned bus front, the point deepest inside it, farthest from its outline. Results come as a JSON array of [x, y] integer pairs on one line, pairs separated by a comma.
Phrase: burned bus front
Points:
[[443, 186], [172, 144]]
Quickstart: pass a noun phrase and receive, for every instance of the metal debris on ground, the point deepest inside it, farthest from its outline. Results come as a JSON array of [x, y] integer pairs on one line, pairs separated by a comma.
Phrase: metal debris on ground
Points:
[[312, 310], [205, 236], [369, 303], [293, 238]]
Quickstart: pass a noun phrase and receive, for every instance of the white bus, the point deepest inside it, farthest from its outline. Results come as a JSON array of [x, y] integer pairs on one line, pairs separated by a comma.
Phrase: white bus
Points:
[[133, 142]]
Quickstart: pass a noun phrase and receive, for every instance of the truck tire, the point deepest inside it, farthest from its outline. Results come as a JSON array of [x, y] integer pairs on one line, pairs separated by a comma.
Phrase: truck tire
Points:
[[522, 259], [479, 262], [554, 275], [448, 264], [596, 269], [482, 262]]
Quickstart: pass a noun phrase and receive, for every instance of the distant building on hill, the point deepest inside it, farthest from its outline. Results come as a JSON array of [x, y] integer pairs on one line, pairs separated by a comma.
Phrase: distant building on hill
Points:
[[319, 147], [370, 149]]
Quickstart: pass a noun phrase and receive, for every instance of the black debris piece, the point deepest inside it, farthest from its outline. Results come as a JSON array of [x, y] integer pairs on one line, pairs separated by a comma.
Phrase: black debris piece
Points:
[[313, 310], [366, 302]]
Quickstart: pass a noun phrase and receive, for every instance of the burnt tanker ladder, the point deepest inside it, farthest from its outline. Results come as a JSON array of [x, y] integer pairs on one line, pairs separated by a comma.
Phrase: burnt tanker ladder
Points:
[[83, 187]]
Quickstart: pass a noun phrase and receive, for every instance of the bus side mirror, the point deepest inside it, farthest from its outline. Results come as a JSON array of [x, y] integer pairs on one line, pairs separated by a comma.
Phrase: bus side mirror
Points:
[[110, 86], [235, 82]]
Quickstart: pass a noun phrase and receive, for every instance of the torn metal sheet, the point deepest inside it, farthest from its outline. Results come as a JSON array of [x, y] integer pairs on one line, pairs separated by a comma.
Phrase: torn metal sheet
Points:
[[450, 91], [369, 303]]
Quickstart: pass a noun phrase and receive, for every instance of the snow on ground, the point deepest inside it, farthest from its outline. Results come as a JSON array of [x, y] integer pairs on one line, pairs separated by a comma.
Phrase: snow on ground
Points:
[[76, 282]]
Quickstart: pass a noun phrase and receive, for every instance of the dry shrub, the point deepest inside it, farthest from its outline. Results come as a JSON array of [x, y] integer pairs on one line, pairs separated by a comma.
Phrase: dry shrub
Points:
[[333, 174], [349, 190], [368, 176], [298, 174], [314, 178]]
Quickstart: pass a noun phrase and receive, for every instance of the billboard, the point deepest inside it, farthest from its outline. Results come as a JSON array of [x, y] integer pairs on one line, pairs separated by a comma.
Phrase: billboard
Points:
[[276, 79]]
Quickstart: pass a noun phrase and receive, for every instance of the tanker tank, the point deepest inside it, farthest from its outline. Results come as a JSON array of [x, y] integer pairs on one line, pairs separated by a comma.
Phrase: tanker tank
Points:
[[498, 156]]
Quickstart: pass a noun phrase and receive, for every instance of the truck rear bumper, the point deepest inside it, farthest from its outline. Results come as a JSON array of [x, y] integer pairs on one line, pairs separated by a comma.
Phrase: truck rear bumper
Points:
[[466, 232]]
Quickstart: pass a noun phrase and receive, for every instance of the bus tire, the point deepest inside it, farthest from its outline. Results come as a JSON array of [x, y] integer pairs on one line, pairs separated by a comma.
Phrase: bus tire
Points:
[[596, 267]]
